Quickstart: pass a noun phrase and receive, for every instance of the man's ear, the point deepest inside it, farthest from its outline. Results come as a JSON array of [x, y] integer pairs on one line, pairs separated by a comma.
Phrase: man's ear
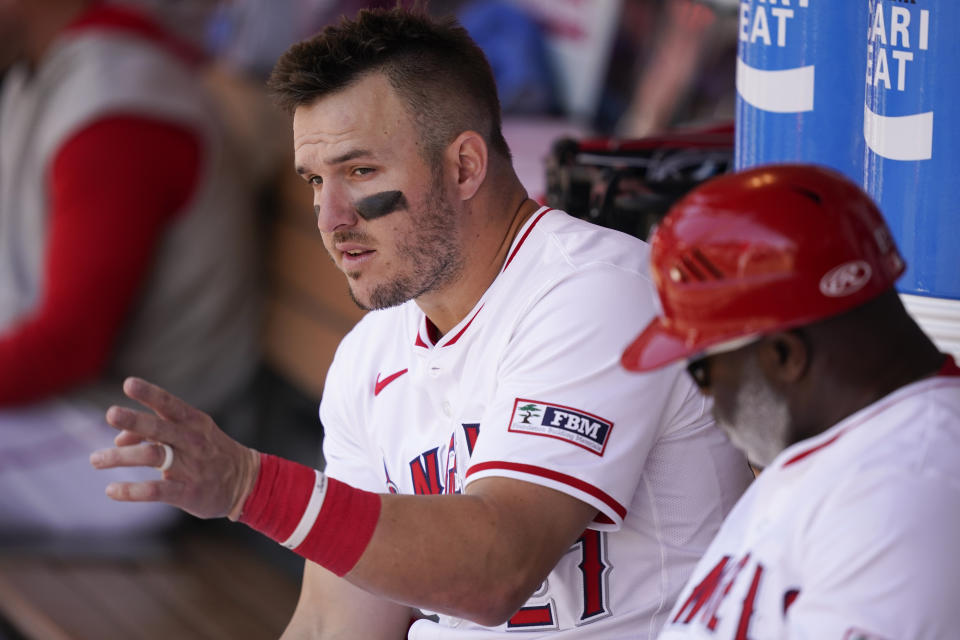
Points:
[[468, 155], [785, 357]]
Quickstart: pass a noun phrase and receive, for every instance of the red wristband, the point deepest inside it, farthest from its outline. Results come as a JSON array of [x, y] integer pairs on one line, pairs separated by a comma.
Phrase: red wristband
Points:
[[322, 519]]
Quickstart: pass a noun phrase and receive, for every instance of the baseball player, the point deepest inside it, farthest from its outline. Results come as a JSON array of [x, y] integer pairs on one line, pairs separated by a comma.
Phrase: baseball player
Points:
[[487, 457], [777, 289]]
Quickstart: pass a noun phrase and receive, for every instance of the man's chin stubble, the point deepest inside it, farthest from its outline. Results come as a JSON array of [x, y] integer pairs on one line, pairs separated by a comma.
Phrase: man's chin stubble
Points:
[[382, 297]]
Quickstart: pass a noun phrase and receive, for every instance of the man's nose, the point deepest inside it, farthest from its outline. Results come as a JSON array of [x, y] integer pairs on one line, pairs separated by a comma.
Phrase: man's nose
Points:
[[334, 208]]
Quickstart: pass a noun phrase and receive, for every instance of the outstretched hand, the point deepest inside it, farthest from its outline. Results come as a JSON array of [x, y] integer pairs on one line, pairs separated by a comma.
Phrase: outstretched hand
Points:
[[210, 475]]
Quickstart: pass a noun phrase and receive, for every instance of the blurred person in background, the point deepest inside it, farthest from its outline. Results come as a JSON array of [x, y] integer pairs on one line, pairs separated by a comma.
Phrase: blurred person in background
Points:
[[249, 35], [683, 69], [125, 246]]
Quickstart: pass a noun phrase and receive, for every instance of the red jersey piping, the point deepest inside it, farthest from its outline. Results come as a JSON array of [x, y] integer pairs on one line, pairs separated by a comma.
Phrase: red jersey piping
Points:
[[556, 476], [523, 238], [421, 343], [432, 333], [804, 454], [949, 368], [460, 333]]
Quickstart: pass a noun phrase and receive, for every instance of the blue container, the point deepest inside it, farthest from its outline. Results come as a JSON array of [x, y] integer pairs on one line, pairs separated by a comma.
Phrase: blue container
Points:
[[800, 73], [912, 132]]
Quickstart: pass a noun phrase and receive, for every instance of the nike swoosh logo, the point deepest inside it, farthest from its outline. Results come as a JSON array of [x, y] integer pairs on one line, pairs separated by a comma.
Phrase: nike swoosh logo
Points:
[[380, 384]]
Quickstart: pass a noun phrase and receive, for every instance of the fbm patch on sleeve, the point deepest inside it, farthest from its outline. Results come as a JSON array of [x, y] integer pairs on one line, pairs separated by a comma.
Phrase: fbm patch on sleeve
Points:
[[563, 423]]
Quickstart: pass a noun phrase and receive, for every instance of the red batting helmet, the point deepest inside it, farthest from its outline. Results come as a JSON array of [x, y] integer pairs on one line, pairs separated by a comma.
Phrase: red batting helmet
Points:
[[759, 251]]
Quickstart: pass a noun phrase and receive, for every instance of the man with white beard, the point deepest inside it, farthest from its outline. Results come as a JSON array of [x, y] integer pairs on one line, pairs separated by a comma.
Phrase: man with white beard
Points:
[[777, 288]]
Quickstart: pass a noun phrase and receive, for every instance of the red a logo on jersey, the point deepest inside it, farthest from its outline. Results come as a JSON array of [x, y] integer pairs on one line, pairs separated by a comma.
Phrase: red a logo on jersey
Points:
[[707, 597], [425, 470]]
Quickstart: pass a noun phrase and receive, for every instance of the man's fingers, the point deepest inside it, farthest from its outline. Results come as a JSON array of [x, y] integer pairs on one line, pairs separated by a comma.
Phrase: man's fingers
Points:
[[173, 437], [126, 438], [153, 491], [147, 454], [144, 425], [160, 400]]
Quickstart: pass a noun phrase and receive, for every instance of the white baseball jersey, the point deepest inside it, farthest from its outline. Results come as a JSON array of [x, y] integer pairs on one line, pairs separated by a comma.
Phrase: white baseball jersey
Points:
[[529, 386], [849, 535]]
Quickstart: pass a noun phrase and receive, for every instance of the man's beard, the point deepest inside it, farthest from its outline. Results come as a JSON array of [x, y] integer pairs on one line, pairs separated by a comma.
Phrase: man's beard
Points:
[[432, 252], [761, 419]]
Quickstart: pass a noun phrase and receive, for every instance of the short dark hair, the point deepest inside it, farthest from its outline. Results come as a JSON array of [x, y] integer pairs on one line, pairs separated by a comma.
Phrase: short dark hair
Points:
[[433, 65]]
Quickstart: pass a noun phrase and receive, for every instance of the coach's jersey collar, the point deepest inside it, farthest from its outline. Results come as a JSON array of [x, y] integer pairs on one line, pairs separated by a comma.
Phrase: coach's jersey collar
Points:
[[807, 448]]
